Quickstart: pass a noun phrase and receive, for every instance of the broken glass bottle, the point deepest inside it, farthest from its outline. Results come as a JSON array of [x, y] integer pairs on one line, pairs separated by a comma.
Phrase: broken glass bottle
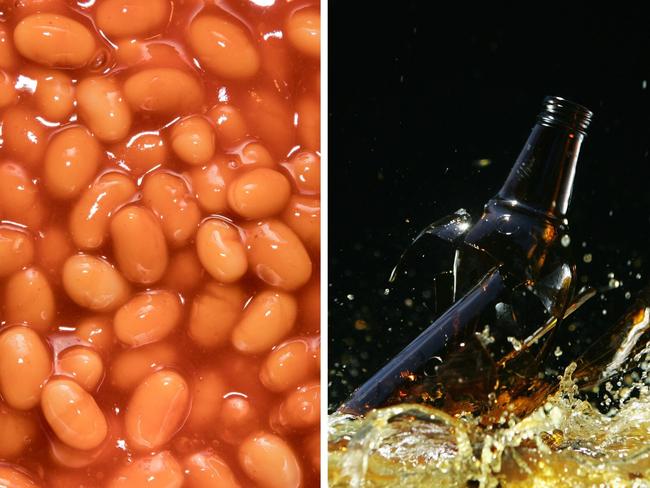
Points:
[[506, 283]]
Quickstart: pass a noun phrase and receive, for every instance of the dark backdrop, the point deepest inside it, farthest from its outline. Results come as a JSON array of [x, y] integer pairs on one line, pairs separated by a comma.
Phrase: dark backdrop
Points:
[[418, 95]]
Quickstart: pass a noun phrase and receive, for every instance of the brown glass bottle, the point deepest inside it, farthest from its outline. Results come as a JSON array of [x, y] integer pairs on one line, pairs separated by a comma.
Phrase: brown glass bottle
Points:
[[510, 273]]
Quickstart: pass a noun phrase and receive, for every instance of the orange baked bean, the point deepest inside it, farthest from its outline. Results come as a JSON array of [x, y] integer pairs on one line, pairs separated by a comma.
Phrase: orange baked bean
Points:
[[256, 155], [157, 410], [267, 319], [148, 317], [71, 160], [303, 31], [73, 415], [230, 126], [193, 140], [207, 470], [168, 197], [132, 366], [102, 106], [144, 152], [19, 432], [139, 244], [23, 136], [259, 193], [89, 218], [223, 47], [237, 419], [305, 169], [221, 250], [270, 119], [28, 299], [13, 478], [19, 200], [70, 457], [163, 91], [54, 40], [54, 95], [309, 306], [154, 471], [302, 215], [132, 18], [24, 367], [301, 408], [213, 315], [93, 283], [16, 249], [8, 94], [269, 461], [208, 389], [288, 365], [83, 364], [8, 57], [308, 109], [184, 272], [276, 255], [96, 331], [53, 247], [210, 184]]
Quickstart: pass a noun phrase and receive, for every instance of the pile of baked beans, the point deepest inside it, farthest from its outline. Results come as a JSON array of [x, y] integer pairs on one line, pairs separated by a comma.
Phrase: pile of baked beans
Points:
[[159, 243]]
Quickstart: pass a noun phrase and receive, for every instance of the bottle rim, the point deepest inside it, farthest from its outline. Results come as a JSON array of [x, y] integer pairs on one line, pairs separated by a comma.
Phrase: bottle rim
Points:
[[560, 111]]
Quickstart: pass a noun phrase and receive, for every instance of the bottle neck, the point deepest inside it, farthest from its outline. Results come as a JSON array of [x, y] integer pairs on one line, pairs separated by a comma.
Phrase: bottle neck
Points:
[[542, 178]]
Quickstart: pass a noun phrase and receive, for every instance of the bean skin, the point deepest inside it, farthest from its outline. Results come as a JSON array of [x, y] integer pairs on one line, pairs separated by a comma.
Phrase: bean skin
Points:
[[93, 283], [160, 470], [270, 461]]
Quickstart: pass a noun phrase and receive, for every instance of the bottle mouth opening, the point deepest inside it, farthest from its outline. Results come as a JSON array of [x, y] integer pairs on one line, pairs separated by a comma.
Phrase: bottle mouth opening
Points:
[[559, 111]]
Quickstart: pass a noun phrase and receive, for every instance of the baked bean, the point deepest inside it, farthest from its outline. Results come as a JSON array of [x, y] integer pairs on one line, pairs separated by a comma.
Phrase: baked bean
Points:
[[103, 107], [229, 123], [270, 119], [208, 389], [157, 410], [70, 457], [210, 183], [168, 197], [132, 18], [139, 244], [301, 408], [16, 249], [54, 40], [13, 478], [148, 317], [71, 160], [221, 251], [259, 193], [237, 419], [303, 31], [207, 470], [145, 151], [24, 367], [83, 364], [184, 272], [89, 218], [266, 320], [19, 432], [8, 56], [18, 196], [223, 47], [53, 248], [308, 109], [212, 318], [288, 365], [257, 156], [302, 215], [269, 461], [129, 368], [96, 331], [163, 91], [277, 61], [23, 136], [305, 169], [93, 283], [73, 415], [309, 306], [150, 54], [28, 299], [276, 255], [312, 446], [54, 96], [8, 94], [154, 471], [193, 140]]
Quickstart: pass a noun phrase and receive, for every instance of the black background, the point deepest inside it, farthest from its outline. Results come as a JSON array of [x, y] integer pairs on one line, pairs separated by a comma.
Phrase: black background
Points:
[[418, 94]]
